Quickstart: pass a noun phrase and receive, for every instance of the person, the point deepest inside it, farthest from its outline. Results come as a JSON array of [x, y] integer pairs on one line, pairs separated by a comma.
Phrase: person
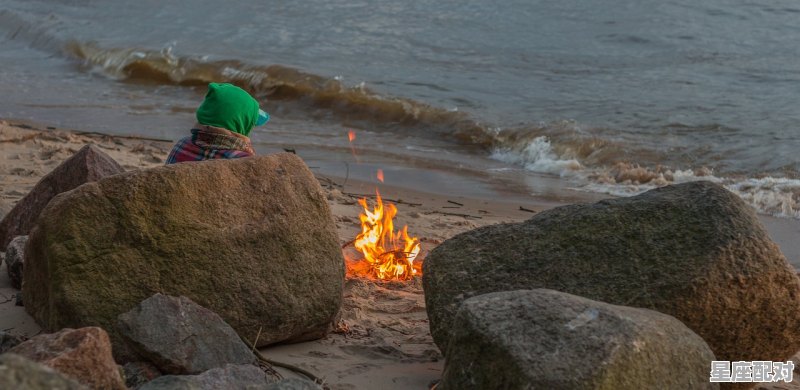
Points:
[[224, 121]]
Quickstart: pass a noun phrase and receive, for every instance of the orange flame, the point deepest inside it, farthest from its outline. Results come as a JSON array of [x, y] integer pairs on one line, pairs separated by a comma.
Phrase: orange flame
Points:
[[390, 255], [380, 175], [351, 136]]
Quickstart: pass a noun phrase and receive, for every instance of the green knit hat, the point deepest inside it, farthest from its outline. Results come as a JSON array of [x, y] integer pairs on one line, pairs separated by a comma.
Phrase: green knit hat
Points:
[[230, 107]]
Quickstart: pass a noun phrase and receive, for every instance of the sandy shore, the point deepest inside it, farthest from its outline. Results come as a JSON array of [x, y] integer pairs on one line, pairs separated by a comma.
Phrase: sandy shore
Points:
[[383, 340]]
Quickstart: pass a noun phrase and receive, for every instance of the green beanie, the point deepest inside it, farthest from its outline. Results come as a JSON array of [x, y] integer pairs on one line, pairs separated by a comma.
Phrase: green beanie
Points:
[[229, 107]]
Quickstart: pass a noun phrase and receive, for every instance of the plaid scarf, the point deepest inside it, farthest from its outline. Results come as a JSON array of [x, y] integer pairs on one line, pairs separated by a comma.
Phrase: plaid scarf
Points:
[[209, 142]]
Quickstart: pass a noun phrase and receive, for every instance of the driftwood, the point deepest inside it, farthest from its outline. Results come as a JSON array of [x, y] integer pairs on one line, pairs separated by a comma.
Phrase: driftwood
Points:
[[528, 210], [398, 201], [455, 214], [264, 360], [456, 203], [136, 137]]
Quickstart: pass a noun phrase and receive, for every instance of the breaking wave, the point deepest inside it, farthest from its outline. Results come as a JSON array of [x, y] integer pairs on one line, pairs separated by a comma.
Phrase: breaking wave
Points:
[[593, 160], [279, 84], [776, 196]]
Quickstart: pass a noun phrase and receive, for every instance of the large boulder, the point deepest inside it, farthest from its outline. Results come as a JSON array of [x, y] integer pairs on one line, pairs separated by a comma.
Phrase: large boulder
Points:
[[86, 165], [251, 239], [694, 251], [230, 376], [544, 339], [15, 260], [17, 372], [83, 355], [182, 337]]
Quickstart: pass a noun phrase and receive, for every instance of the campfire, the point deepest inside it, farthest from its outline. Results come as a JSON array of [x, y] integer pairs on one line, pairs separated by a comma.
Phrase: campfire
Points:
[[386, 255]]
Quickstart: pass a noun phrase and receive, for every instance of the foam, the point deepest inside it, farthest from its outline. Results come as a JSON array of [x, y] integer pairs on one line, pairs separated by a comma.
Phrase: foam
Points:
[[538, 156], [779, 197]]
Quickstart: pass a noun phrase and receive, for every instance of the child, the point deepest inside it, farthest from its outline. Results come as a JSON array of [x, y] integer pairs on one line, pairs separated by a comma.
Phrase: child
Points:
[[224, 121]]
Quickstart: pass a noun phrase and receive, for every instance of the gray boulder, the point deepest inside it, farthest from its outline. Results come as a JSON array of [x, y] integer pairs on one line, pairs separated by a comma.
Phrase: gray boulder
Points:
[[86, 165], [251, 239], [19, 373], [182, 337], [15, 260], [694, 251], [241, 377], [544, 339]]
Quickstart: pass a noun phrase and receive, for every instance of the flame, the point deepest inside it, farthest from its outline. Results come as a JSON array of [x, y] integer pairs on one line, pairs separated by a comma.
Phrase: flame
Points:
[[390, 255], [351, 136], [380, 175]]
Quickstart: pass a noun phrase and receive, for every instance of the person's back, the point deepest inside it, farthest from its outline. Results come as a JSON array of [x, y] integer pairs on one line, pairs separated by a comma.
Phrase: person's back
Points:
[[224, 121]]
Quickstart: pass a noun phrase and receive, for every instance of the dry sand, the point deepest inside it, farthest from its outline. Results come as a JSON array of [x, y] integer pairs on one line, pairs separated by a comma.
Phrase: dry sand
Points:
[[383, 340]]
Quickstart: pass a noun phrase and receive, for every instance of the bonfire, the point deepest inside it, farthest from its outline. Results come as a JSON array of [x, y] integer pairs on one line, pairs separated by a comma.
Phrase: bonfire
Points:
[[386, 255]]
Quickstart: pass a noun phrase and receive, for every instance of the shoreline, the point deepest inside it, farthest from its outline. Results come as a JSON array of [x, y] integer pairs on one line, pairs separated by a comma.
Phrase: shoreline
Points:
[[134, 152]]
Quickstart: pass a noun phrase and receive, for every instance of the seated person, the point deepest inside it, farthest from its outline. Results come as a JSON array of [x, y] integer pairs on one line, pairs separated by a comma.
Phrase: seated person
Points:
[[224, 121]]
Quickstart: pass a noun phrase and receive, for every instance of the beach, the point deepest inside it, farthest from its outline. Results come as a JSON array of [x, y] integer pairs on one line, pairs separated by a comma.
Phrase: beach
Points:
[[383, 339]]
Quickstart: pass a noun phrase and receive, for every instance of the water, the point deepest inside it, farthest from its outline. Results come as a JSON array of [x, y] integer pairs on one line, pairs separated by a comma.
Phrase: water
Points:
[[609, 97]]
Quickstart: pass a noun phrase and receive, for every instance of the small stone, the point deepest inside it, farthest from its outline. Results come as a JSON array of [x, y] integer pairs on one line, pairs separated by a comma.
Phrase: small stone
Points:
[[82, 354], [182, 337], [15, 260], [138, 373]]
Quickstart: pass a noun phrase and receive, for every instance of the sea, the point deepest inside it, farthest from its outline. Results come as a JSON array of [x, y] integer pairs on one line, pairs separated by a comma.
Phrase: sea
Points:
[[553, 99]]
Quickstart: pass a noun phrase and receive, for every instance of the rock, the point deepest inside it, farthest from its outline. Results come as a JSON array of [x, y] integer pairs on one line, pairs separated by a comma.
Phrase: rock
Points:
[[8, 341], [5, 207], [87, 165], [294, 384], [19, 373], [694, 251], [188, 338], [15, 260], [544, 339], [251, 239], [83, 355], [229, 376], [138, 373]]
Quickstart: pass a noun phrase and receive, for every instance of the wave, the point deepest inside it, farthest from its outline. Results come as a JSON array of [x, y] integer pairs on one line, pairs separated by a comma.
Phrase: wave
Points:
[[282, 84], [775, 196]]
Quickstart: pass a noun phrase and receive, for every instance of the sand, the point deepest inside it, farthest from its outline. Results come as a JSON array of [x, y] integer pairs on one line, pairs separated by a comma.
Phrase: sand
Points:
[[383, 340]]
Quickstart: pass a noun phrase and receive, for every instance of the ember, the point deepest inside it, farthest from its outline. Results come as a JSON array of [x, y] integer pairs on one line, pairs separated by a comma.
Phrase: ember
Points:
[[390, 255]]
